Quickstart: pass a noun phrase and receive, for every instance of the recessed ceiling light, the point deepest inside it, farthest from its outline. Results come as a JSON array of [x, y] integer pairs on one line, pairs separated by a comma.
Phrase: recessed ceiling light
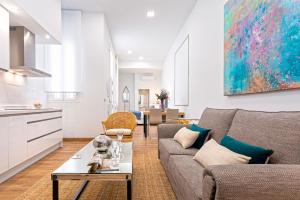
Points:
[[141, 58], [47, 37], [129, 52], [150, 13]]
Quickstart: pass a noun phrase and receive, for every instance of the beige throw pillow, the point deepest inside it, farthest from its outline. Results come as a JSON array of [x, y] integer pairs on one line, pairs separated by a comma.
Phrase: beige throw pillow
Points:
[[213, 153], [186, 137]]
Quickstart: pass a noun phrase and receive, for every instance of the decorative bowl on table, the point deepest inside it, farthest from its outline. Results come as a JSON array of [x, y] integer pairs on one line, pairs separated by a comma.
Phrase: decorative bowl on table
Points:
[[102, 143]]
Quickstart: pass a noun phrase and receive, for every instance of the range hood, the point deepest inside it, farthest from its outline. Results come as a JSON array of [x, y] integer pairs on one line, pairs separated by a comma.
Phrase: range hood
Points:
[[22, 52]]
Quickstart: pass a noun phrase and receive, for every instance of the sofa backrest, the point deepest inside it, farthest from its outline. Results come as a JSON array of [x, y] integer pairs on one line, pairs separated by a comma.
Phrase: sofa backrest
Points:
[[279, 131], [218, 120]]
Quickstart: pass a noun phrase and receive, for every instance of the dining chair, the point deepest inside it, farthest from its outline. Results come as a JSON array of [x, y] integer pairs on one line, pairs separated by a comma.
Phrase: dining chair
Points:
[[172, 116], [155, 116]]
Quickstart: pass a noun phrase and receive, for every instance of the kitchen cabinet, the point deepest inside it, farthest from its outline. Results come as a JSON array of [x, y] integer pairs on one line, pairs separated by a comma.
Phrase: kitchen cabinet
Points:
[[44, 130], [4, 39], [17, 140], [47, 13], [24, 137], [3, 144]]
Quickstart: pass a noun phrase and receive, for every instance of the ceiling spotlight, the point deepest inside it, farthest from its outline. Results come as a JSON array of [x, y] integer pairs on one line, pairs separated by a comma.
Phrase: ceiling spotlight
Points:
[[141, 58], [129, 52], [47, 37], [150, 13]]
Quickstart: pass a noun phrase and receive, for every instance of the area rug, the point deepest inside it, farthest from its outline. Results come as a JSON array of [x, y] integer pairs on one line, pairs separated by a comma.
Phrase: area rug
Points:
[[149, 182]]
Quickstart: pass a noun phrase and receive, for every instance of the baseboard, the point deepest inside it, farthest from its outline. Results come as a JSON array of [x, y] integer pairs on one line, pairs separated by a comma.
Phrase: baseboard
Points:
[[10, 173]]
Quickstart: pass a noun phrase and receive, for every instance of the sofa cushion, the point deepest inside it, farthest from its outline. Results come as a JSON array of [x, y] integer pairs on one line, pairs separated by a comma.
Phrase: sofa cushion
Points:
[[279, 131], [259, 155], [213, 153], [174, 148], [187, 176], [116, 131], [203, 133], [186, 137], [168, 146], [218, 120]]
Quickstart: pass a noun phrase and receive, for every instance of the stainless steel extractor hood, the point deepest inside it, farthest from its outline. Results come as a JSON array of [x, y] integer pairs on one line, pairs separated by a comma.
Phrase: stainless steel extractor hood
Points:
[[22, 52]]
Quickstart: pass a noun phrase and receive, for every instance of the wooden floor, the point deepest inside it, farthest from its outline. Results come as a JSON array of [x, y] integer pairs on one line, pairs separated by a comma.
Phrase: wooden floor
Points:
[[21, 182]]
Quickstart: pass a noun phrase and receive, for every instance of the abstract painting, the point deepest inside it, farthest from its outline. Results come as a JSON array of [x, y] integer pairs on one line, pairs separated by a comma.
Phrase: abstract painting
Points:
[[261, 46]]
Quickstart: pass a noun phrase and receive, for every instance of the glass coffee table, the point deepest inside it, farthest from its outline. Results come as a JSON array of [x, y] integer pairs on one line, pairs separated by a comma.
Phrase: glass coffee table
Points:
[[76, 168]]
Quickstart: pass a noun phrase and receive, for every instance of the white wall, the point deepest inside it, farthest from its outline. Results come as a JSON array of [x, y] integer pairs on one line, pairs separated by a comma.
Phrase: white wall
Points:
[[134, 82], [83, 119], [205, 27], [18, 90], [153, 85]]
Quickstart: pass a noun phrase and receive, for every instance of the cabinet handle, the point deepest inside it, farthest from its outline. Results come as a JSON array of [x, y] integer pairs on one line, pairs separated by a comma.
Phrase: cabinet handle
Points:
[[42, 120], [43, 135]]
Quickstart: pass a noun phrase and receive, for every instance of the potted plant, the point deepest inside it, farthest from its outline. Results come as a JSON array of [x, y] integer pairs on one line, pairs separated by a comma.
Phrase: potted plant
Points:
[[163, 97]]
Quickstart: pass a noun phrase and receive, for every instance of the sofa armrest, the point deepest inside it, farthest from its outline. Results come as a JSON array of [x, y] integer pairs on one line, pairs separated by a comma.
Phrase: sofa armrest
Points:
[[252, 182], [168, 130]]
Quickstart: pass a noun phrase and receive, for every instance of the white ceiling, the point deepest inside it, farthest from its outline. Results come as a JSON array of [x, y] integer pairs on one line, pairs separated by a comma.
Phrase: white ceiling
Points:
[[132, 30]]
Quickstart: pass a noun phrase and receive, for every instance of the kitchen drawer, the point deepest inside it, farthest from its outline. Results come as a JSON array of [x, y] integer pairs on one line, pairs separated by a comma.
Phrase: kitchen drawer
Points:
[[41, 116], [43, 126], [37, 146]]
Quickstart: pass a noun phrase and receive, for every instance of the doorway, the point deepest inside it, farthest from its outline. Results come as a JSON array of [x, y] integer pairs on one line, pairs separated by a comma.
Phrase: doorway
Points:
[[144, 98]]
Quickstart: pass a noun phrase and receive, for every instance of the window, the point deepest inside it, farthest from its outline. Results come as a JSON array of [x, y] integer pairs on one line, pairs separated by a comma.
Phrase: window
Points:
[[64, 62], [63, 96]]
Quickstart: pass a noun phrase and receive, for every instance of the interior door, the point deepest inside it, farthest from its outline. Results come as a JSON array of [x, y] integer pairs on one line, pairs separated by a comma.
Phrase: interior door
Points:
[[144, 99]]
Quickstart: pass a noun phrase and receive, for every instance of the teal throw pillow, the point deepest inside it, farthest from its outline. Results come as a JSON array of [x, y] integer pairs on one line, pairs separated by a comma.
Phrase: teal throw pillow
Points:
[[258, 155], [203, 133]]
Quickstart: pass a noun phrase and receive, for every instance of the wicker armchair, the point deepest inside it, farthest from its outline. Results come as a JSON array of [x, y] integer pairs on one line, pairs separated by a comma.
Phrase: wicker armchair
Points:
[[120, 121]]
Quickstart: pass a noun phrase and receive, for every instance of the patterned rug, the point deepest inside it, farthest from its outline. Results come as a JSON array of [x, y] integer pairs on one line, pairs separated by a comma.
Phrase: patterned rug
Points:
[[149, 182]]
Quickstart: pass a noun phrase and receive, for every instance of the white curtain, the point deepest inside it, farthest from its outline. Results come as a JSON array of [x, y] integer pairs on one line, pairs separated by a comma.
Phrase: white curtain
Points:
[[64, 62]]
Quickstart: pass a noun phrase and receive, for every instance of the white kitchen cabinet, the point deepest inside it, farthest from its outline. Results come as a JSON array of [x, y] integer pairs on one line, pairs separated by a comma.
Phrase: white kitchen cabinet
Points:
[[26, 137], [3, 144], [37, 146], [43, 124], [43, 131], [4, 39], [47, 13], [17, 140]]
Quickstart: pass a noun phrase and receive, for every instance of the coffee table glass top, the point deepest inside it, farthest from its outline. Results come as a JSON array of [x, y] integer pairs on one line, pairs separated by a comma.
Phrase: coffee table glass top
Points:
[[78, 163]]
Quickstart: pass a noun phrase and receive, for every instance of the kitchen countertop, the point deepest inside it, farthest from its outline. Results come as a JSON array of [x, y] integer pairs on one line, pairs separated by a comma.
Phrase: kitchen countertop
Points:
[[8, 113]]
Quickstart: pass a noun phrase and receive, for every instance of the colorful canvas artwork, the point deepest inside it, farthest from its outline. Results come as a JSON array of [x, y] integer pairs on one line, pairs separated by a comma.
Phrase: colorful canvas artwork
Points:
[[262, 46]]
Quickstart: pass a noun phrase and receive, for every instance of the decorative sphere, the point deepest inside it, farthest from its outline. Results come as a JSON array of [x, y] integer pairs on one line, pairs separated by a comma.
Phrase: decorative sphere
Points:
[[102, 143]]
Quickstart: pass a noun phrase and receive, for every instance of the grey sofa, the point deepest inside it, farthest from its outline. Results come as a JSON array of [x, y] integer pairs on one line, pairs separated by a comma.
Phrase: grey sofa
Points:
[[280, 179]]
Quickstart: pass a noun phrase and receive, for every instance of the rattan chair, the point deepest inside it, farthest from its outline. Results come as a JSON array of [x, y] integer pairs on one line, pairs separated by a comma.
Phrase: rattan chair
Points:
[[120, 121], [155, 116]]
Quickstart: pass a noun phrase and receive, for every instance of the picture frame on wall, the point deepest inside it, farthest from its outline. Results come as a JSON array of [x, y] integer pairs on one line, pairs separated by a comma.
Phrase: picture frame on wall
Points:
[[261, 46], [181, 74]]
